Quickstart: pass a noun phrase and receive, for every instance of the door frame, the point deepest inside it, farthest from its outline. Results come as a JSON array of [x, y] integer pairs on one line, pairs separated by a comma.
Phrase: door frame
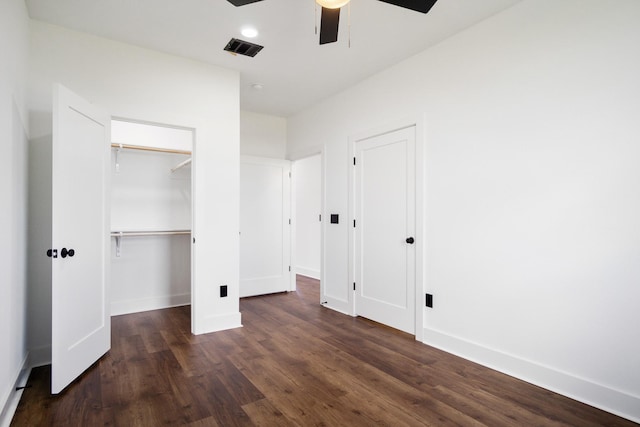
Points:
[[418, 122]]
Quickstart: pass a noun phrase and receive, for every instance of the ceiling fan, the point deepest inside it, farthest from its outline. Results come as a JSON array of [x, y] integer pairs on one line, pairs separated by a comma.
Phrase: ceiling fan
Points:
[[331, 13]]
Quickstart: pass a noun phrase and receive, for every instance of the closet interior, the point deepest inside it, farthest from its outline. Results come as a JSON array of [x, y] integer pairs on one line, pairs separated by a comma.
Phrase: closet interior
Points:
[[151, 205]]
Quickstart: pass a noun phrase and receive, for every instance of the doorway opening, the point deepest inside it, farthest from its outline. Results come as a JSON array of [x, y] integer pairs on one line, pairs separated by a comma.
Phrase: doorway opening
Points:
[[151, 216], [307, 212]]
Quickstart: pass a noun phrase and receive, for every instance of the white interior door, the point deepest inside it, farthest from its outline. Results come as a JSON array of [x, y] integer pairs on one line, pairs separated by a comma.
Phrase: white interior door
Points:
[[264, 226], [81, 328], [385, 227]]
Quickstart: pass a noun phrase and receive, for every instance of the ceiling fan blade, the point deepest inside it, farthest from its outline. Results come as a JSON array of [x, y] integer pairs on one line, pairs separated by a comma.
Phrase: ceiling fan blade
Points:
[[329, 25], [418, 5], [242, 2]]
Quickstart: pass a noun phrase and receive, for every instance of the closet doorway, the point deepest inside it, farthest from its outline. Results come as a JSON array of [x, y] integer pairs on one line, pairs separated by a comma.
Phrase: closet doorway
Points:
[[151, 216]]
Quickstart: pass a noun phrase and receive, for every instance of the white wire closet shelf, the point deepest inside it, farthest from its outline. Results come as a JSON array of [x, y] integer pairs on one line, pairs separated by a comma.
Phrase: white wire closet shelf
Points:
[[141, 233]]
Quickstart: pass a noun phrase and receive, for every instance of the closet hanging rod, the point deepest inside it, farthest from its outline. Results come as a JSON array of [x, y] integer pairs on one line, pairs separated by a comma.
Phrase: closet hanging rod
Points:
[[143, 148], [149, 233]]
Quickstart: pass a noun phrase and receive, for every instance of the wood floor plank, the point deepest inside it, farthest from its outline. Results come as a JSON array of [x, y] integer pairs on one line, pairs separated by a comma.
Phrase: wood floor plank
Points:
[[237, 384], [294, 363], [224, 407], [205, 422], [264, 414], [399, 398]]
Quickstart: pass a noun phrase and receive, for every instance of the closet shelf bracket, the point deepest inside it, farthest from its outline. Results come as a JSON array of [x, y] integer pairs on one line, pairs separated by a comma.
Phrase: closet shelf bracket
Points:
[[118, 237], [181, 165], [118, 149]]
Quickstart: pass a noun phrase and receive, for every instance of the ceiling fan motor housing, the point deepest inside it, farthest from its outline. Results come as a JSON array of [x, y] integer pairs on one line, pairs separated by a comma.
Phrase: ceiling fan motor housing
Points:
[[242, 2]]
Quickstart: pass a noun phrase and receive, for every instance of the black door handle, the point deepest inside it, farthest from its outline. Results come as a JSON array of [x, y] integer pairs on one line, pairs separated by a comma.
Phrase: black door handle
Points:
[[66, 252], [409, 240], [52, 253]]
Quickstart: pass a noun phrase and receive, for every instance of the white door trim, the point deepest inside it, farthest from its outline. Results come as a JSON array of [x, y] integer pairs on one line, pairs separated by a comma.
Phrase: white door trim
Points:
[[418, 122]]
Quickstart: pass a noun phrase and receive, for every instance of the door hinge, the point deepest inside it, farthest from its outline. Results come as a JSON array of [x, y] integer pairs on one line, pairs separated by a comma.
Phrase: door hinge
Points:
[[320, 217], [354, 161], [289, 221], [354, 286], [289, 174], [354, 223], [289, 268]]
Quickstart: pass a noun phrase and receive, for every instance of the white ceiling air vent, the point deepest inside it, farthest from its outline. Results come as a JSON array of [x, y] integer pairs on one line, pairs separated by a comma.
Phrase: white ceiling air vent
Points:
[[242, 47]]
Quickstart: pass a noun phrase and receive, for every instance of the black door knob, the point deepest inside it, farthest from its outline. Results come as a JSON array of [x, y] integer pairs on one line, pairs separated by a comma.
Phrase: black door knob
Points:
[[52, 253], [66, 252], [409, 240]]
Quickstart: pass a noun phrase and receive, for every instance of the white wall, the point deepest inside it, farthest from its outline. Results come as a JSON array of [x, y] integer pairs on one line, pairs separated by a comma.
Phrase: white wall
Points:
[[148, 86], [14, 45], [263, 135], [151, 273], [532, 191], [307, 187]]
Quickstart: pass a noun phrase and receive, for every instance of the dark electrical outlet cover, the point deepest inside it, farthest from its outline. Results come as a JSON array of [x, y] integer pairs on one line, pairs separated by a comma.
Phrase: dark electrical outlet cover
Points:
[[429, 300], [334, 218], [223, 291]]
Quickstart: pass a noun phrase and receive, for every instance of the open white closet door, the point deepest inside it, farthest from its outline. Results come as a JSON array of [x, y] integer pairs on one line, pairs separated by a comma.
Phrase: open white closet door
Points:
[[81, 322], [265, 212]]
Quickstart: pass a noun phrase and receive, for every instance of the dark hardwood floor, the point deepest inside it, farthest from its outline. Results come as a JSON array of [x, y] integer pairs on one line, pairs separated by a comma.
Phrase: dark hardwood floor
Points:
[[293, 363]]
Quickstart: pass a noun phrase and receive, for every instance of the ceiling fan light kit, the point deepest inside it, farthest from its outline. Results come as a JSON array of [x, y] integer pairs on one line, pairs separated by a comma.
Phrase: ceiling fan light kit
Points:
[[330, 17], [332, 4]]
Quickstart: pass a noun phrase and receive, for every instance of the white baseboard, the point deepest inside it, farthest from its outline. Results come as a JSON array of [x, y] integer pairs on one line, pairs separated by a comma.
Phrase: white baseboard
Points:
[[582, 390], [308, 272], [219, 323], [12, 398], [147, 304]]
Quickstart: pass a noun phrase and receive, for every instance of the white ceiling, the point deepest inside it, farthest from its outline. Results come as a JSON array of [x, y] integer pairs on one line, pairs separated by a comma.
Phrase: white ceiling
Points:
[[293, 68]]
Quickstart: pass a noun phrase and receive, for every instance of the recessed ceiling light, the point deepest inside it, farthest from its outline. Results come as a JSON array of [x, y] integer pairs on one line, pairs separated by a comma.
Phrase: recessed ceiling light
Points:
[[257, 86], [249, 32]]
